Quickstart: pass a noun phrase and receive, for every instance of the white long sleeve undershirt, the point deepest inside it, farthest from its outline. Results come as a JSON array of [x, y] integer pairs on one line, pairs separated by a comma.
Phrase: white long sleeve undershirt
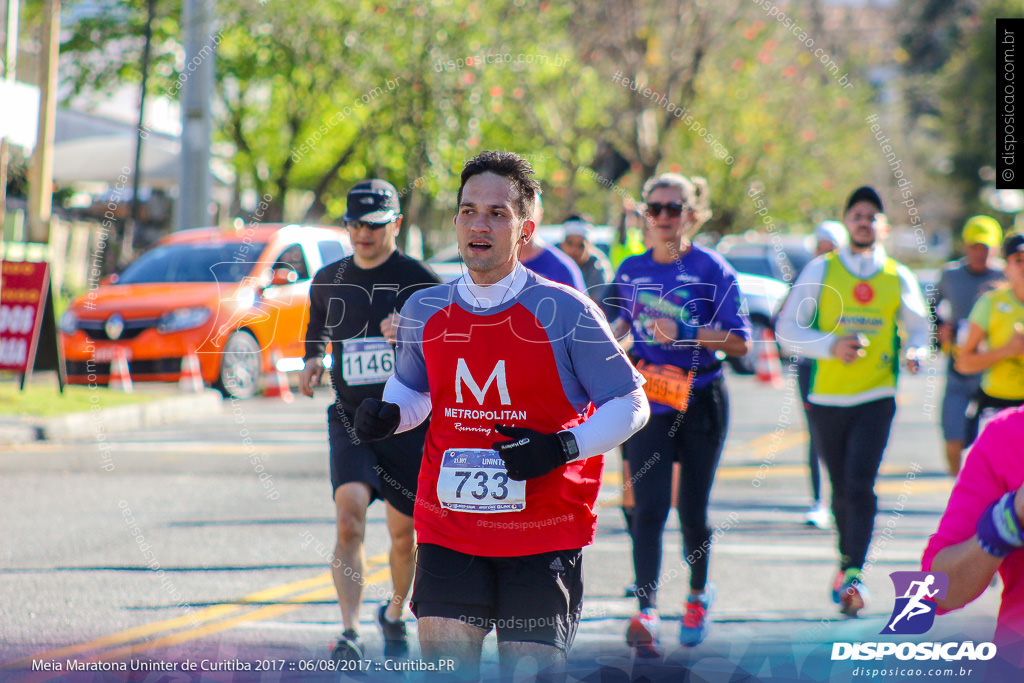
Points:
[[611, 424]]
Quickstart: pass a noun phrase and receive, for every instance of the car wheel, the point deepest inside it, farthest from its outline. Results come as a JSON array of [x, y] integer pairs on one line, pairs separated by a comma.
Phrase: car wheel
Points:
[[241, 366], [747, 365]]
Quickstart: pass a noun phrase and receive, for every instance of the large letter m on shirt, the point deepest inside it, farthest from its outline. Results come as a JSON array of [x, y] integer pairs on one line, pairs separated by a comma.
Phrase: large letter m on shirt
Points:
[[462, 374]]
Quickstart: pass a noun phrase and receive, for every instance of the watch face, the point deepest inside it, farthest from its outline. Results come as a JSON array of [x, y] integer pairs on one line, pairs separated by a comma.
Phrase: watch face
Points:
[[569, 444]]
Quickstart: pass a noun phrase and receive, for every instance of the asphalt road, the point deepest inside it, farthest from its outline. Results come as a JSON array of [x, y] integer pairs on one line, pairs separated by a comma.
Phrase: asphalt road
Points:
[[209, 540]]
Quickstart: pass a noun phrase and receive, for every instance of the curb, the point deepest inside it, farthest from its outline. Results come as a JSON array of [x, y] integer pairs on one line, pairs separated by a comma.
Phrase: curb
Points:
[[87, 425], [18, 433]]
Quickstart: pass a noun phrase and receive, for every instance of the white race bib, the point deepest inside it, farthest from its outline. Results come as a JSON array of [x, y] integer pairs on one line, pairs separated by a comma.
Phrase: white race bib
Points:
[[475, 480], [367, 361]]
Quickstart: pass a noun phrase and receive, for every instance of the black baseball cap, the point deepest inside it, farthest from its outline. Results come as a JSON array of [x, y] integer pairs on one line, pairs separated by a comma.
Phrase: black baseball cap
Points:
[[1013, 244], [372, 201], [864, 194]]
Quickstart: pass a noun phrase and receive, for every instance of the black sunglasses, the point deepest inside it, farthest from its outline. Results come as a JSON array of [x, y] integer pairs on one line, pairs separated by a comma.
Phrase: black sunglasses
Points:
[[674, 209], [355, 225]]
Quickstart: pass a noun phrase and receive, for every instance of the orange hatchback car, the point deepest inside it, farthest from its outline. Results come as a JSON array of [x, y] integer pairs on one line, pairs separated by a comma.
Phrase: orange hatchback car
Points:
[[238, 297]]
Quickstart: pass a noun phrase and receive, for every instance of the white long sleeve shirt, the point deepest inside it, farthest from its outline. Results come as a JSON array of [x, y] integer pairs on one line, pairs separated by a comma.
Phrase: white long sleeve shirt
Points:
[[797, 337]]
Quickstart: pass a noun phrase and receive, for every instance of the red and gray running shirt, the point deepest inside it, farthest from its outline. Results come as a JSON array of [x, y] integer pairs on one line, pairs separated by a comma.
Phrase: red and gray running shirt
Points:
[[545, 360]]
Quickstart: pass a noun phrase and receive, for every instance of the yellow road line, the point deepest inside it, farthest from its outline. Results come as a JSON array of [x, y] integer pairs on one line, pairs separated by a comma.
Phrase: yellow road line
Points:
[[256, 615], [769, 470], [760, 446], [209, 614], [781, 443], [912, 488]]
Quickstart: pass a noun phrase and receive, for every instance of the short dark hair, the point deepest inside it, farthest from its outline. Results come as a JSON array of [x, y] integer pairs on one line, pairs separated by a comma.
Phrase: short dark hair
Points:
[[509, 165]]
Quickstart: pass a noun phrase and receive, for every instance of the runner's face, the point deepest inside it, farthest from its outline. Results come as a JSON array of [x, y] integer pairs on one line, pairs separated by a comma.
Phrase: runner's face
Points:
[[372, 245], [488, 229], [977, 256], [860, 222], [575, 246], [666, 228], [1015, 268]]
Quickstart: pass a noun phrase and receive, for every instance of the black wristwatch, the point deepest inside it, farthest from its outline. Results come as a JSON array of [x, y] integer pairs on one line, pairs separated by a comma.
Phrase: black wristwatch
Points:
[[569, 446]]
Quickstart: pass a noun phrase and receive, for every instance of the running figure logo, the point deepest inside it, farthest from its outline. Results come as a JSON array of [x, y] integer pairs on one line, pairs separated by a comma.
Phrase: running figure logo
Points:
[[914, 611]]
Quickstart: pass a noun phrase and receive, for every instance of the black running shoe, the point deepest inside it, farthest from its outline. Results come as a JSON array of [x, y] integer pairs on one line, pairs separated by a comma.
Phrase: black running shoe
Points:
[[396, 640], [348, 648]]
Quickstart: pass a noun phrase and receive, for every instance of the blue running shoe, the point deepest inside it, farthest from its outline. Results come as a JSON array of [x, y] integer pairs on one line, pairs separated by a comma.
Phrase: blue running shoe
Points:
[[694, 628]]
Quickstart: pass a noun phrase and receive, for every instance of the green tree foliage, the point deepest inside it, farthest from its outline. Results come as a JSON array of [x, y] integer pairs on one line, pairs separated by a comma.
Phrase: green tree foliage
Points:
[[312, 97], [967, 101]]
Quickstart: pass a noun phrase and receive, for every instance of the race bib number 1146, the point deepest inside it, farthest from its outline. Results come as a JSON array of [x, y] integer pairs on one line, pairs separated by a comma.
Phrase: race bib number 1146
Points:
[[367, 361]]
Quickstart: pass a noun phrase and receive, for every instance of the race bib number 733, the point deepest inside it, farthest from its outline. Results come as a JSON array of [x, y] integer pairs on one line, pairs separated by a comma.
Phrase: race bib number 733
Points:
[[475, 480]]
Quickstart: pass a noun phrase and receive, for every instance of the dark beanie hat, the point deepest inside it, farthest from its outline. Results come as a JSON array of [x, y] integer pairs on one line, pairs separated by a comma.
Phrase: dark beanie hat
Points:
[[864, 194]]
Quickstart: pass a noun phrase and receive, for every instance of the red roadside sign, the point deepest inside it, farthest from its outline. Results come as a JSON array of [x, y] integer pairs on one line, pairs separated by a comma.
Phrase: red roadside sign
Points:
[[25, 305]]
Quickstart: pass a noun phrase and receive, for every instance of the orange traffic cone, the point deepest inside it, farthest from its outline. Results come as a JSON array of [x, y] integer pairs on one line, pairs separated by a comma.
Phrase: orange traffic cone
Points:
[[191, 380], [120, 379], [277, 381], [768, 367]]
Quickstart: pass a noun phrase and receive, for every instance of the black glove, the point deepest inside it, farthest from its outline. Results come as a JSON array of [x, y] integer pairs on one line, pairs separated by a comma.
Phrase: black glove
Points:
[[530, 454], [376, 420]]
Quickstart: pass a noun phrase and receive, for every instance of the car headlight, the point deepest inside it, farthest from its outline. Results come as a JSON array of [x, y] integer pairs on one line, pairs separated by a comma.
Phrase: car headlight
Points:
[[246, 298], [68, 323], [183, 319]]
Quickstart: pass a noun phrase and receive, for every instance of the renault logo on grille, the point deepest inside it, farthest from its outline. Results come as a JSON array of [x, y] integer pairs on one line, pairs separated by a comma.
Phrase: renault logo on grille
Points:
[[114, 327]]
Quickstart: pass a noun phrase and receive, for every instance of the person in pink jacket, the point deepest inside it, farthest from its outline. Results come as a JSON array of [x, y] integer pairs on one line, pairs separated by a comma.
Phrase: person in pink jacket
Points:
[[981, 531]]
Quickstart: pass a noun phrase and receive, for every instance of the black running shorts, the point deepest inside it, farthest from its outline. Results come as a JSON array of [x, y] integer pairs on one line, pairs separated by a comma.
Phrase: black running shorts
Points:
[[389, 467], [532, 599]]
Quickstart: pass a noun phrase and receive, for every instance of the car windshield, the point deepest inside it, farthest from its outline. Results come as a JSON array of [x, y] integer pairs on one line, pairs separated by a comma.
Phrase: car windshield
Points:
[[216, 262]]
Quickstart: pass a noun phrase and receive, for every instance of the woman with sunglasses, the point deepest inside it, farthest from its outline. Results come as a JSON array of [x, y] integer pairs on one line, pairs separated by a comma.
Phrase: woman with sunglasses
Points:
[[682, 303]]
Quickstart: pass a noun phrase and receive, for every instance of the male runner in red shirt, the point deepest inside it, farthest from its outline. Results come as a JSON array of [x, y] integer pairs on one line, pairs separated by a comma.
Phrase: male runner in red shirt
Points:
[[528, 388]]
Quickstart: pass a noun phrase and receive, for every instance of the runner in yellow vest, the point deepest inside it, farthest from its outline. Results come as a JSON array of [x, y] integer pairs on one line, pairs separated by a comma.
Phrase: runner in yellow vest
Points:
[[843, 313], [997, 321], [629, 238]]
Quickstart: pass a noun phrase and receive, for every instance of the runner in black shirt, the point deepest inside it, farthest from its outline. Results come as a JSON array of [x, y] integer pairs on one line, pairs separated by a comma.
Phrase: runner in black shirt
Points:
[[353, 304]]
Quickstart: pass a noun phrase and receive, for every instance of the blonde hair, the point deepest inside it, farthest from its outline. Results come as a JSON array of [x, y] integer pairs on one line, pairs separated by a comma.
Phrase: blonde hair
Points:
[[695, 193]]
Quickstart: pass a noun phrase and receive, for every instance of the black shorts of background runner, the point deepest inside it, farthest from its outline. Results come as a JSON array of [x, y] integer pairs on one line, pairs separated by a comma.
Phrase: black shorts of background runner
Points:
[[390, 467], [851, 441], [694, 439], [983, 402], [530, 599]]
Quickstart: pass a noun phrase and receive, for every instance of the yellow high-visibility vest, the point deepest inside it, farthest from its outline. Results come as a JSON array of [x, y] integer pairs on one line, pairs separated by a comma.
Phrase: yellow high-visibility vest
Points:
[[852, 305]]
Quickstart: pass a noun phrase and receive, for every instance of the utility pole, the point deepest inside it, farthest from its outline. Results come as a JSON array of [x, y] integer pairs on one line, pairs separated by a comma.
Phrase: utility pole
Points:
[[192, 210], [40, 197], [10, 67], [141, 133]]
